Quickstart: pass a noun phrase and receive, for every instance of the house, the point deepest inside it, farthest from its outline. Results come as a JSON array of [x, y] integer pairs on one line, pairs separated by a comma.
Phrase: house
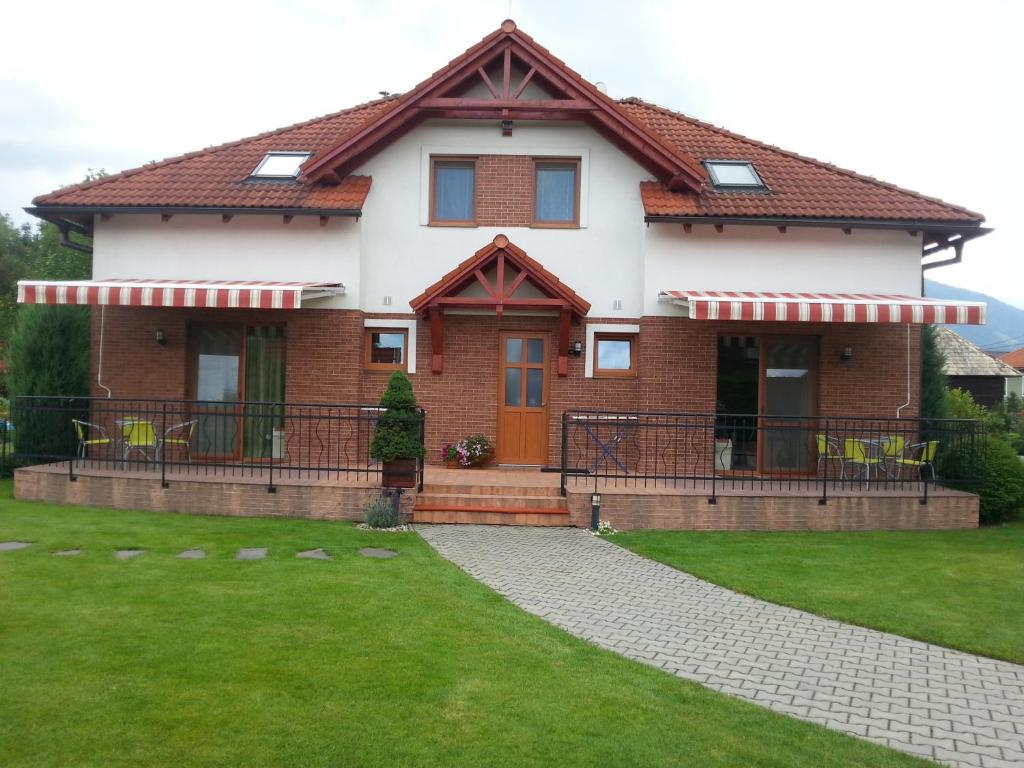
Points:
[[1015, 359], [604, 287], [968, 367]]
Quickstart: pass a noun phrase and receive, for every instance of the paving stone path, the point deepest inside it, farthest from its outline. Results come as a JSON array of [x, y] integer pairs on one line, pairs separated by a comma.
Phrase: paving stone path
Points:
[[252, 553], [67, 553], [953, 707], [313, 554], [10, 546], [192, 554], [127, 554], [384, 554]]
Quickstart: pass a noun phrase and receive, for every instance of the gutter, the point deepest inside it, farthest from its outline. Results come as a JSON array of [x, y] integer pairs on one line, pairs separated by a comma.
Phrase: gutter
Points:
[[44, 211], [967, 229]]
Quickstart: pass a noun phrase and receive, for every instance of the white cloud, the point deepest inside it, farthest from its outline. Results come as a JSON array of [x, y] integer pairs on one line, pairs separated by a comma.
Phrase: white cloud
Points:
[[922, 94]]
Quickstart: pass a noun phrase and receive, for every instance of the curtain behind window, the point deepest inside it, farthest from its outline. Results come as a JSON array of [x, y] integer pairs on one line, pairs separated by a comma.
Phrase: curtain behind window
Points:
[[453, 192], [556, 193], [264, 385]]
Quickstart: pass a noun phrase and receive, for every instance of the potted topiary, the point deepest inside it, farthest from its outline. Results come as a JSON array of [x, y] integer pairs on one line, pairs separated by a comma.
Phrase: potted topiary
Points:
[[398, 438]]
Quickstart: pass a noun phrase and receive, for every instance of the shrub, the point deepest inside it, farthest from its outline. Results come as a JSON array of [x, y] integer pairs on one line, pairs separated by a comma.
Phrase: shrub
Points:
[[399, 432], [934, 403], [997, 477], [380, 513]]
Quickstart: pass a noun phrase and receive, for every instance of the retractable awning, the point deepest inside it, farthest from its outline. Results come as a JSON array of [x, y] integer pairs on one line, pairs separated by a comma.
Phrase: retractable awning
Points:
[[825, 307], [211, 294]]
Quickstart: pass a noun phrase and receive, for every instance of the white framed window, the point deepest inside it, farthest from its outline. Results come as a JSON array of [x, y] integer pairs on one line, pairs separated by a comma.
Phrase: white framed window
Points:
[[280, 165], [734, 174], [612, 332]]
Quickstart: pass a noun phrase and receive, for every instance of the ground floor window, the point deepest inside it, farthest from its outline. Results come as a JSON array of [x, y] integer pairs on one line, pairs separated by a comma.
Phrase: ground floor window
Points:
[[230, 364], [384, 349], [615, 354]]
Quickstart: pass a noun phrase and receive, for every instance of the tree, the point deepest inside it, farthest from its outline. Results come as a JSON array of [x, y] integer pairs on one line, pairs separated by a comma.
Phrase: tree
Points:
[[399, 427], [933, 378]]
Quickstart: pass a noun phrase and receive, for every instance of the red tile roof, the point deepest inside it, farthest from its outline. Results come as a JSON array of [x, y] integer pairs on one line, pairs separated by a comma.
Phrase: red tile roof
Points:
[[218, 176], [799, 187], [1015, 358]]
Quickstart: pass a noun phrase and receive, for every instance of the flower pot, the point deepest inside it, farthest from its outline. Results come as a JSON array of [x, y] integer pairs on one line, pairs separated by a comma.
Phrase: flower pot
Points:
[[399, 473]]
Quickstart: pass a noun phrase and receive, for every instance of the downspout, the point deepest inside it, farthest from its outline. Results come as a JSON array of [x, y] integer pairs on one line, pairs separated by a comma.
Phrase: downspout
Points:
[[99, 363], [909, 398]]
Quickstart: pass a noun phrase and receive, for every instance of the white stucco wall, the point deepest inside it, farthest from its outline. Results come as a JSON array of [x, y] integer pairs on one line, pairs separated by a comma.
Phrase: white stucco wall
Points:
[[202, 247], [613, 259], [742, 258]]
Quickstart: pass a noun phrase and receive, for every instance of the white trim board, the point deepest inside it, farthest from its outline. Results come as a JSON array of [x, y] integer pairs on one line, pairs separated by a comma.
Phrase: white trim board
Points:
[[595, 328], [408, 325]]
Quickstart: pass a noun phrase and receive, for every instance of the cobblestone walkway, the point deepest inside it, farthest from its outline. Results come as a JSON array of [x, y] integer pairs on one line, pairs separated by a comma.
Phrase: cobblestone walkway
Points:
[[953, 707]]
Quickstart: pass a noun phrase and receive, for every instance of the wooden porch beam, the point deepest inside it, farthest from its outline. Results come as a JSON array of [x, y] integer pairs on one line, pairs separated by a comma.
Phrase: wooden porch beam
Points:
[[473, 301], [487, 82], [436, 340], [505, 114], [507, 72], [563, 342], [523, 83], [539, 105], [485, 283]]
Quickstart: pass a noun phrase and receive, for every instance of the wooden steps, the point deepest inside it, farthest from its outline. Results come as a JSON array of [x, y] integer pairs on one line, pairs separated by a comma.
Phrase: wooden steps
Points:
[[490, 505]]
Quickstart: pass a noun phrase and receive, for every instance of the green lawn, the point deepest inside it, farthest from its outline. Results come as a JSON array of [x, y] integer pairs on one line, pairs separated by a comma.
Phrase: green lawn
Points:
[[354, 662], [962, 589]]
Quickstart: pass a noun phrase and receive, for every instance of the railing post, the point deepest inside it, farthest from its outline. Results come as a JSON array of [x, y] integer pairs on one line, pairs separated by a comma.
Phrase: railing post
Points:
[[824, 476], [714, 451], [162, 446], [565, 451], [271, 488], [423, 442]]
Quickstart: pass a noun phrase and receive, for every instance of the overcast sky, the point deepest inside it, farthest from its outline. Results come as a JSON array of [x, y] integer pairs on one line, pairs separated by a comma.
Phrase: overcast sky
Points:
[[924, 94]]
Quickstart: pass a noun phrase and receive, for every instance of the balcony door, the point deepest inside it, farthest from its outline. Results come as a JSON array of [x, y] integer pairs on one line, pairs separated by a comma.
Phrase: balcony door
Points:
[[522, 399], [231, 364]]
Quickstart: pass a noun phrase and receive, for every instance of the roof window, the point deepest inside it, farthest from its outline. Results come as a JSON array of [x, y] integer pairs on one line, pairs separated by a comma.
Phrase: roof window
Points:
[[733, 174], [280, 165]]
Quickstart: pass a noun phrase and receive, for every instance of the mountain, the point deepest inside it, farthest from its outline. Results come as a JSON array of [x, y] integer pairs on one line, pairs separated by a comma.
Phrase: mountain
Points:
[[1004, 327]]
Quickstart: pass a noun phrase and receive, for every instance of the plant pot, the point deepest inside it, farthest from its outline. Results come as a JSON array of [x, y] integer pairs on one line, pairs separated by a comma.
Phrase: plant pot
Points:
[[399, 473]]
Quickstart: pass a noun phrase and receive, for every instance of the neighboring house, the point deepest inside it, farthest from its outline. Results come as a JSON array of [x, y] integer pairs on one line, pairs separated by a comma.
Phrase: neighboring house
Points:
[[521, 245], [968, 367], [1015, 358]]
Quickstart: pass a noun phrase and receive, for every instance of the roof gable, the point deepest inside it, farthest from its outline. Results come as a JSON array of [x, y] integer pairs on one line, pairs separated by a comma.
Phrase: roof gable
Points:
[[442, 95], [966, 359]]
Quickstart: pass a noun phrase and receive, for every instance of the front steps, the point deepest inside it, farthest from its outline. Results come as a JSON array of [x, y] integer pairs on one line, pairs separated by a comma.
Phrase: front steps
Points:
[[490, 505]]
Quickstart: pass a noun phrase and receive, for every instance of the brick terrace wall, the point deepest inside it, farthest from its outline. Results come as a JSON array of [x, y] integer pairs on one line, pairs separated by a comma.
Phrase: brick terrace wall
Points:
[[677, 361], [627, 511], [220, 497]]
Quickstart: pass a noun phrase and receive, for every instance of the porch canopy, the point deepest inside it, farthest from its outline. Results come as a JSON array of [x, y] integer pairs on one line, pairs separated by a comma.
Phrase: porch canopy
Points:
[[210, 294], [824, 307]]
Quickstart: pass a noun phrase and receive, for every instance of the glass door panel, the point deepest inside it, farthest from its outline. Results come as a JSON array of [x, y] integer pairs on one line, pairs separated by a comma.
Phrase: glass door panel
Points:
[[522, 415], [789, 388], [264, 390], [217, 350]]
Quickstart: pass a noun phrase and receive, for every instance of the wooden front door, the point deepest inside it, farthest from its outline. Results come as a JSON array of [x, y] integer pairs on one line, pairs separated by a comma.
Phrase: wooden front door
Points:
[[523, 399]]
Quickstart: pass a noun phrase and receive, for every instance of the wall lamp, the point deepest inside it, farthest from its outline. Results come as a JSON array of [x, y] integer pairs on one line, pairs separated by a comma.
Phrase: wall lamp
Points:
[[161, 337], [847, 354], [576, 348]]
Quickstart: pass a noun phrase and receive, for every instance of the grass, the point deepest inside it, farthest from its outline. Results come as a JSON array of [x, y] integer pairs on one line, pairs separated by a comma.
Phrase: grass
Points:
[[353, 662], [961, 589]]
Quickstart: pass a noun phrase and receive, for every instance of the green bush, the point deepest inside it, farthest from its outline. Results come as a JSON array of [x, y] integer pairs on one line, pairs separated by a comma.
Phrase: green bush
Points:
[[997, 476], [380, 513], [399, 432], [934, 403]]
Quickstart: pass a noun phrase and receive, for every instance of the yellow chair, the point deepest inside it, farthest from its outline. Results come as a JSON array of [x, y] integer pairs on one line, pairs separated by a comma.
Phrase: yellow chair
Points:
[[82, 430], [866, 453], [139, 435], [892, 449], [828, 450], [179, 435], [919, 456]]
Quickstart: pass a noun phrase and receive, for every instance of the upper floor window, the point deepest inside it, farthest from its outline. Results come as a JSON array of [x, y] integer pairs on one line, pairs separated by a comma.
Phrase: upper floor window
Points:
[[280, 165], [556, 193], [452, 190], [733, 174]]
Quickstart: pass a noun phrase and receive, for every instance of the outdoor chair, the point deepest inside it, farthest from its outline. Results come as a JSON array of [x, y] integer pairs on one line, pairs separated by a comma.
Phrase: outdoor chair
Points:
[[179, 435], [829, 450], [83, 429], [892, 450], [867, 454], [137, 435], [920, 456]]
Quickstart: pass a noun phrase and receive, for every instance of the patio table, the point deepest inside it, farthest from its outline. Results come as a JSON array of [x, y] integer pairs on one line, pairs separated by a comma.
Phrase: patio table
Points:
[[624, 425], [133, 432]]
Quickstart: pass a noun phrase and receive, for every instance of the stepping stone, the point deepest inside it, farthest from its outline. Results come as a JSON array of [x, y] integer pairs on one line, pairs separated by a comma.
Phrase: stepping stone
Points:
[[10, 546], [128, 554], [192, 554], [67, 553], [254, 553], [314, 554], [374, 552]]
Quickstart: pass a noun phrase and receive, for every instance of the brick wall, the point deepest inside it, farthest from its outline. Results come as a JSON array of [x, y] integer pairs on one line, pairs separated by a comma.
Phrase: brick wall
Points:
[[677, 361], [504, 191]]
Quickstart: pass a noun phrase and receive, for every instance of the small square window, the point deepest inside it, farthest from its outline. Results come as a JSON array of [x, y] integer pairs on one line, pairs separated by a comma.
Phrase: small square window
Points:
[[733, 174], [386, 349], [453, 184], [614, 354], [280, 165], [556, 193]]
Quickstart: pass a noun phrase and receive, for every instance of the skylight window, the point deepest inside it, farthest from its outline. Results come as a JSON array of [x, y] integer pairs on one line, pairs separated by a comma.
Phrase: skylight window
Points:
[[280, 165], [733, 174]]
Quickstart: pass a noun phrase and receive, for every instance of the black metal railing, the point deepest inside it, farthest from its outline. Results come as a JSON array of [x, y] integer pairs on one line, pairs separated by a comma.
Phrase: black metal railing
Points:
[[714, 452], [262, 441]]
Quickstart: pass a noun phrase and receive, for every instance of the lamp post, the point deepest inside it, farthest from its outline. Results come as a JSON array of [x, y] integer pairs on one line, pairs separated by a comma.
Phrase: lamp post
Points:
[[595, 510]]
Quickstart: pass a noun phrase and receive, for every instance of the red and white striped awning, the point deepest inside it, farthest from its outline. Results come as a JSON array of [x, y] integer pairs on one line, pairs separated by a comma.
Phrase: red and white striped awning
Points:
[[825, 307], [211, 294]]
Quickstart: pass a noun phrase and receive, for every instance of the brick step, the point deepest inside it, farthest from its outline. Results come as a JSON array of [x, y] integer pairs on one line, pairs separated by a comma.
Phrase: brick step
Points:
[[487, 501], [484, 516], [489, 490]]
